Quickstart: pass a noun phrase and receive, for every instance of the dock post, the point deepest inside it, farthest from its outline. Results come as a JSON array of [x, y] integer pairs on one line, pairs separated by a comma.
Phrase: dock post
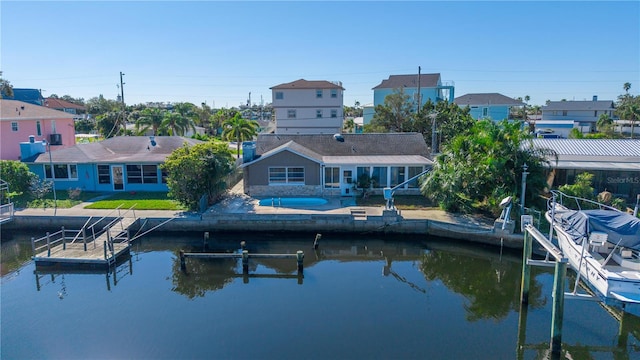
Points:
[[315, 242], [105, 250], [48, 244], [245, 260], [300, 258], [526, 268], [64, 238], [33, 245], [183, 264], [206, 239], [243, 245], [84, 238], [558, 305]]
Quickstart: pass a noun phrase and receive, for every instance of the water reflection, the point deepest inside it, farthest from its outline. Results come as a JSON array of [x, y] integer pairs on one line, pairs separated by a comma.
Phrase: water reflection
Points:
[[393, 297]]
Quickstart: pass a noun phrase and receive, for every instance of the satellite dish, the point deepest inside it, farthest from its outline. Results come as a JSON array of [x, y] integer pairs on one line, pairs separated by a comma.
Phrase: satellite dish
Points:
[[152, 139], [338, 137]]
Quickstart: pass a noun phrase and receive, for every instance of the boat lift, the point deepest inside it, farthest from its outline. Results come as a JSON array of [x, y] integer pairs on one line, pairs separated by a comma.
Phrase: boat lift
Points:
[[388, 192]]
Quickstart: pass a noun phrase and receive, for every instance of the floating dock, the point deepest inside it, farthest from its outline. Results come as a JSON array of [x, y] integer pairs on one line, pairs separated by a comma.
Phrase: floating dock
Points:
[[89, 246]]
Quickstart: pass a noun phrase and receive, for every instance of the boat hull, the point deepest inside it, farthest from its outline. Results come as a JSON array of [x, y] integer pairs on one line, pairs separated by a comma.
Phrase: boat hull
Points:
[[614, 287]]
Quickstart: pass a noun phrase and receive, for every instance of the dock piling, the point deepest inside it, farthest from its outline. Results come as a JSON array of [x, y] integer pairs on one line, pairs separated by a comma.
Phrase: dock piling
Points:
[[526, 268], [183, 265], [558, 305], [245, 260], [84, 238], [300, 258], [64, 238], [48, 244], [206, 239], [316, 241], [243, 245]]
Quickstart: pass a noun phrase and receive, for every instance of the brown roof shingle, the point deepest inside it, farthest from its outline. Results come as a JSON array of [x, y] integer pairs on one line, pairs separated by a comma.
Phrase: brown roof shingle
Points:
[[402, 81], [307, 84], [18, 110]]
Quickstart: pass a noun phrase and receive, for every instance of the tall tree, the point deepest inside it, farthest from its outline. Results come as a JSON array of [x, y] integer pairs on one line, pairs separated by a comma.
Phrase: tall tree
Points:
[[150, 118], [479, 168], [395, 114], [176, 124], [238, 129], [5, 87], [196, 171], [628, 107], [109, 124]]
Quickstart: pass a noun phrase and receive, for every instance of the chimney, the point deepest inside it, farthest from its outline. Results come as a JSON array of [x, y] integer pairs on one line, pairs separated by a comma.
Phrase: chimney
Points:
[[595, 97], [32, 139]]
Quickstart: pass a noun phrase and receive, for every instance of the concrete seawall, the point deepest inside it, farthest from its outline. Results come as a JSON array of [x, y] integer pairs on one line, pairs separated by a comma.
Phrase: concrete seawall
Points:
[[316, 223]]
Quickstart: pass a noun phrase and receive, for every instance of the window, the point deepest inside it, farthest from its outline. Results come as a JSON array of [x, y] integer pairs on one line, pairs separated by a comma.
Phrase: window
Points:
[[595, 113], [564, 112], [397, 175], [142, 174], [291, 114], [331, 177], [334, 113], [61, 171], [279, 95], [104, 174], [318, 113], [334, 93], [485, 112], [38, 128], [361, 171], [286, 175], [14, 126], [414, 171], [379, 177], [318, 94], [53, 126]]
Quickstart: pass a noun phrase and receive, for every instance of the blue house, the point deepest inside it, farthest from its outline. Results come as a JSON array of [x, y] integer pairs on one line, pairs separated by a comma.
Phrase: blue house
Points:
[[31, 96], [122, 163], [426, 86], [492, 106]]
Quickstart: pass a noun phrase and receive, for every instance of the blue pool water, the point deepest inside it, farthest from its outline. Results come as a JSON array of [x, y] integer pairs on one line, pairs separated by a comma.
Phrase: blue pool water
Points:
[[292, 201]]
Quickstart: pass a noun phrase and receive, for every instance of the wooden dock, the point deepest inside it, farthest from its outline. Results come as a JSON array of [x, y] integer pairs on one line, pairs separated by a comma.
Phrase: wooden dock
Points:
[[89, 246]]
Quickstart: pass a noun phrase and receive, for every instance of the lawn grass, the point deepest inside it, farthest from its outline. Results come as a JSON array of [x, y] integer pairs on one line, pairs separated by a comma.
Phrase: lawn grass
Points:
[[141, 201], [64, 200], [402, 202]]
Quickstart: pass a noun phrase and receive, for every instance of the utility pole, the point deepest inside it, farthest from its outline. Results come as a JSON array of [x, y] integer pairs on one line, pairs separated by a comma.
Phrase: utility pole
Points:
[[124, 121], [419, 99]]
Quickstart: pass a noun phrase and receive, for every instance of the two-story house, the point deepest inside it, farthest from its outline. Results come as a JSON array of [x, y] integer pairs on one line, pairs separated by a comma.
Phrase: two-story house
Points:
[[583, 114], [66, 106], [423, 86], [19, 120], [308, 107], [492, 106]]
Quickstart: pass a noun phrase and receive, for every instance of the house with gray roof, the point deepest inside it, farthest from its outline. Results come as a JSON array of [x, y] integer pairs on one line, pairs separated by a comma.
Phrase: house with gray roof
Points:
[[615, 163], [584, 114], [329, 165], [308, 107], [121, 163], [427, 86], [492, 106]]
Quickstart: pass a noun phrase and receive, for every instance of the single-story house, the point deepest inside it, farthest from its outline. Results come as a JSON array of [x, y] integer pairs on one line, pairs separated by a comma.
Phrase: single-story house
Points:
[[122, 163], [615, 163], [330, 165]]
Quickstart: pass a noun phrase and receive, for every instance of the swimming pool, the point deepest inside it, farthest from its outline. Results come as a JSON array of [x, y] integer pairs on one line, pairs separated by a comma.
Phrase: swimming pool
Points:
[[297, 201]]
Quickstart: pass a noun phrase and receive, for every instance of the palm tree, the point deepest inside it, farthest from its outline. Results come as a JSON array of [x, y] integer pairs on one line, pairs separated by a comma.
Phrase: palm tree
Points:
[[150, 118], [626, 87], [239, 129], [349, 125], [176, 124]]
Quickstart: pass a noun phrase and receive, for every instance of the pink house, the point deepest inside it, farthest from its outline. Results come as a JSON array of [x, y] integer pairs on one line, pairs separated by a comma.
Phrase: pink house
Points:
[[19, 120]]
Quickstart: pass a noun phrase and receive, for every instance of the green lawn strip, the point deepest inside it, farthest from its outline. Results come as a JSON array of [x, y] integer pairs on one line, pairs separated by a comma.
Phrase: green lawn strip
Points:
[[141, 200], [62, 196], [402, 202]]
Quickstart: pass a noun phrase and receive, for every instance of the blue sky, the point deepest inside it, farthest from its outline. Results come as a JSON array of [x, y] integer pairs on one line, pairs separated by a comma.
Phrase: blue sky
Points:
[[218, 52]]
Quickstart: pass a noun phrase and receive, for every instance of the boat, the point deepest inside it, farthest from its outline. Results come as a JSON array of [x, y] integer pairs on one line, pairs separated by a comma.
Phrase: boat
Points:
[[601, 243]]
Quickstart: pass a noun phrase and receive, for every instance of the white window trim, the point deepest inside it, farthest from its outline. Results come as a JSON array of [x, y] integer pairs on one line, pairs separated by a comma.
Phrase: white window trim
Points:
[[53, 174], [286, 176]]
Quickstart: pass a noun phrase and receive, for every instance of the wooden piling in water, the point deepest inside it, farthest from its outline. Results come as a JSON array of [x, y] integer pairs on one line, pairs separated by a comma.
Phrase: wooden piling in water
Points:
[[316, 241], [64, 238], [558, 305], [243, 245], [245, 260], [48, 244], [183, 265], [206, 239], [526, 268], [300, 258]]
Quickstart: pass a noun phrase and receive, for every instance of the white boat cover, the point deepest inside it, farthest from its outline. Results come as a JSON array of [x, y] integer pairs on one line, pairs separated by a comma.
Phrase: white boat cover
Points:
[[622, 228]]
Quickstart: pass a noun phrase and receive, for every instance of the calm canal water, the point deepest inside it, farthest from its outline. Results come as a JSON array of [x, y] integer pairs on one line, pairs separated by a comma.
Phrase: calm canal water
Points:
[[359, 298]]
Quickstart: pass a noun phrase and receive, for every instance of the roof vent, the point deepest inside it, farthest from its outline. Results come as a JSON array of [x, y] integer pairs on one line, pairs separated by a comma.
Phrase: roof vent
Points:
[[338, 137]]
